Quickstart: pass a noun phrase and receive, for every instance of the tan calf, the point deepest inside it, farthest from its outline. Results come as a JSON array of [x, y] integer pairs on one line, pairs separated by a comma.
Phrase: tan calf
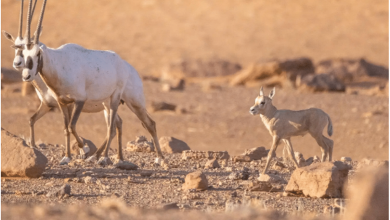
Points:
[[283, 124]]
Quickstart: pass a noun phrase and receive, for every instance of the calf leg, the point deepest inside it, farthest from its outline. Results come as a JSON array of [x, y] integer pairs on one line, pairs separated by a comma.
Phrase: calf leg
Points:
[[329, 144], [271, 153], [118, 124], [42, 110], [291, 151], [324, 148]]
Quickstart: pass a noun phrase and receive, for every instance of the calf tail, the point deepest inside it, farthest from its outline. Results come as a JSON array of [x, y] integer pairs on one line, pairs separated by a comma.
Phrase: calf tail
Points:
[[330, 126]]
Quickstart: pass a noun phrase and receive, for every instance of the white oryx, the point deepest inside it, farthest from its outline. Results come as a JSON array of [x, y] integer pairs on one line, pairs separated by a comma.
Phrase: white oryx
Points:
[[283, 124], [46, 98], [85, 78]]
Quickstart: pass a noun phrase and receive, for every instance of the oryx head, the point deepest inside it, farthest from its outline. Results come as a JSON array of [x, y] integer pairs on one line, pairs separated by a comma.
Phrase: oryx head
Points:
[[32, 52], [20, 41], [261, 102]]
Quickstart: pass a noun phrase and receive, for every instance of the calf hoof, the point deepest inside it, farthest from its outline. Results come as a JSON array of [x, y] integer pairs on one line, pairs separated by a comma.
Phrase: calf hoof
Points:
[[65, 161], [104, 161]]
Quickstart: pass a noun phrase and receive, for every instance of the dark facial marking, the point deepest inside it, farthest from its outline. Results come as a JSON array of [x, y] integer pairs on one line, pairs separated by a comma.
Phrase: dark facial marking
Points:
[[19, 52], [29, 63]]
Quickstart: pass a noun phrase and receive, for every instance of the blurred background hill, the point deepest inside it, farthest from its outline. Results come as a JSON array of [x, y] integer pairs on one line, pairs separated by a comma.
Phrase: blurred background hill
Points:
[[150, 34]]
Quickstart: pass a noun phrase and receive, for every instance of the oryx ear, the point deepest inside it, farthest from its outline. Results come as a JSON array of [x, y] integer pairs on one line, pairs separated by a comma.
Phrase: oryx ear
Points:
[[8, 36], [261, 91], [272, 93]]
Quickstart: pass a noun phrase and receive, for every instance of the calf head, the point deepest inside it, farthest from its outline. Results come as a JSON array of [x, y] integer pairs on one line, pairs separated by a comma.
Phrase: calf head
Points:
[[262, 102]]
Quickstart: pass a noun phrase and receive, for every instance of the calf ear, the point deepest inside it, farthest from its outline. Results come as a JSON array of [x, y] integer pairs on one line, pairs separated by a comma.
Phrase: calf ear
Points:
[[261, 91], [272, 93], [8, 36]]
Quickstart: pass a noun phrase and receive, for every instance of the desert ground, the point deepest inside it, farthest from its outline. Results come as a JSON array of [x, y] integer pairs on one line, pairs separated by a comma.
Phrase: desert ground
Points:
[[151, 35]]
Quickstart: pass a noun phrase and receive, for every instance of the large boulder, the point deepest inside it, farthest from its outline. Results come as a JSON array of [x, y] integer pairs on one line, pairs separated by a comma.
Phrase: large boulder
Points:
[[195, 180], [320, 82], [76, 150], [369, 195], [319, 180], [18, 159], [255, 72], [256, 153], [172, 145]]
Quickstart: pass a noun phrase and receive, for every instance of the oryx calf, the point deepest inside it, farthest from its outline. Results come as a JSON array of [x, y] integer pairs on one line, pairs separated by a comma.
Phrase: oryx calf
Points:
[[283, 124]]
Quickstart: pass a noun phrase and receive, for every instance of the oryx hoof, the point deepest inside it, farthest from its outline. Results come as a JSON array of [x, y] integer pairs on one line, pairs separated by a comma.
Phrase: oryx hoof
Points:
[[84, 152], [160, 161], [104, 161], [65, 161]]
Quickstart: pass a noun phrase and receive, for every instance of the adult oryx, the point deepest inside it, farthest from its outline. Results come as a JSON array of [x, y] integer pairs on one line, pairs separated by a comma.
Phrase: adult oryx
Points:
[[75, 75], [46, 98]]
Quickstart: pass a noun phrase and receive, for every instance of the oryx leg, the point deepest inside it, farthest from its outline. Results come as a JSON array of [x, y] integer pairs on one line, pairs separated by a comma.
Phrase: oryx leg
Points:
[[114, 104], [290, 150], [42, 110], [77, 107], [271, 153], [118, 124], [66, 116], [148, 124]]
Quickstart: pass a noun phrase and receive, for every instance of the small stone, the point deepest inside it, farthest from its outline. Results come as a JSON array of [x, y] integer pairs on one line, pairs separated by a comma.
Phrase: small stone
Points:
[[125, 165], [89, 180], [212, 164], [195, 180], [270, 178], [346, 159], [61, 192], [169, 206], [172, 145]]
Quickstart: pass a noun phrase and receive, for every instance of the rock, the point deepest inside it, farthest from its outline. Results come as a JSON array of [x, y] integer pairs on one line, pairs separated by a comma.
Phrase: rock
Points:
[[240, 175], [140, 144], [169, 206], [61, 192], [173, 85], [159, 106], [319, 82], [270, 178], [368, 196], [89, 180], [192, 154], [18, 159], [125, 165], [320, 180], [256, 153], [279, 165], [345, 159], [241, 158], [316, 159], [296, 67], [195, 180], [76, 150], [299, 157], [259, 186], [199, 68], [172, 145], [309, 161], [352, 70], [255, 72], [211, 164]]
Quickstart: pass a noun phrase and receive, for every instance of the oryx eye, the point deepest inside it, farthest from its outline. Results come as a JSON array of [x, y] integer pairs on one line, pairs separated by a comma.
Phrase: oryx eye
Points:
[[262, 103], [19, 53], [29, 63]]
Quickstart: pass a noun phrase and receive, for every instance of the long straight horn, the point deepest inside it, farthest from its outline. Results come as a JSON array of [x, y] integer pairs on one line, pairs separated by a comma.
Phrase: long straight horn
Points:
[[36, 39], [28, 22], [21, 20], [33, 9]]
